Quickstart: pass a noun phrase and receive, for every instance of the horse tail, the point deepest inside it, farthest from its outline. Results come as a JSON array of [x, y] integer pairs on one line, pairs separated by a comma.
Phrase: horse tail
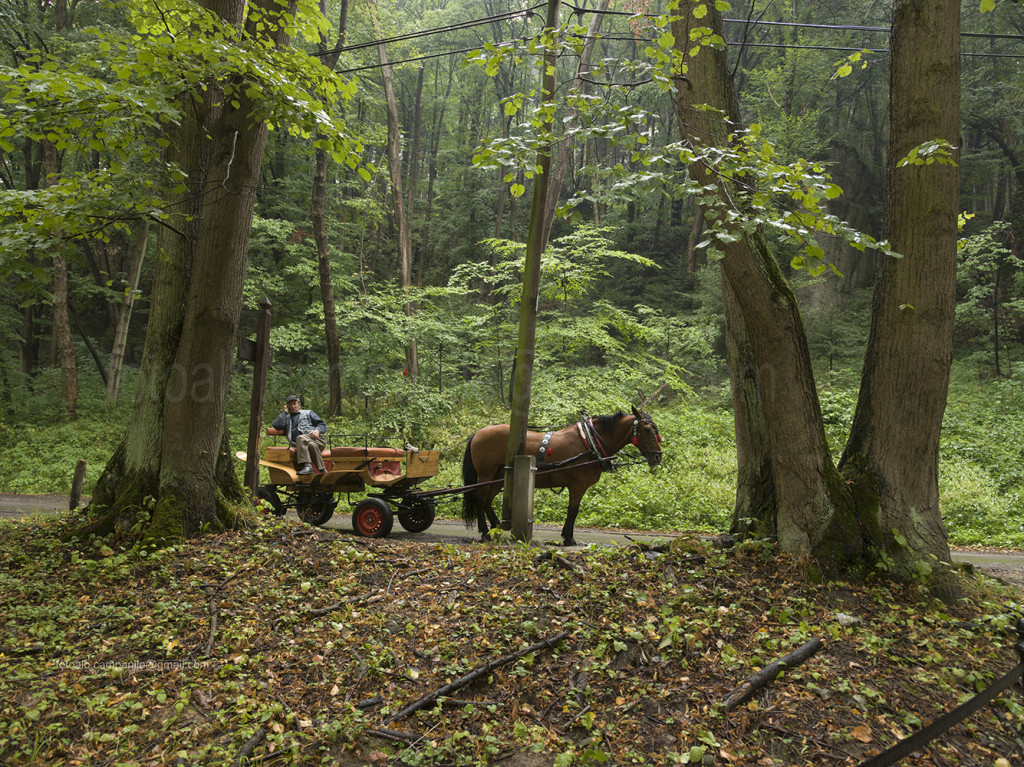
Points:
[[470, 503]]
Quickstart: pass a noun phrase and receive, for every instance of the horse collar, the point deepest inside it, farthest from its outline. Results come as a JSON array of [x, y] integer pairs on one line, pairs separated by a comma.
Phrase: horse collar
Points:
[[592, 439]]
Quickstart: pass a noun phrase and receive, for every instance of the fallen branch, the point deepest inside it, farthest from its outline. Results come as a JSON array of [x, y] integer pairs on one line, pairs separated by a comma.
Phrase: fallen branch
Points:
[[212, 594], [351, 600], [213, 628], [473, 675], [246, 752], [767, 675], [408, 738], [564, 563]]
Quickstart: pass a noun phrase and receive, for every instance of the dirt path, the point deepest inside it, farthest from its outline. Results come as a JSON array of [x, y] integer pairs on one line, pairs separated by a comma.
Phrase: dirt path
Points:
[[1005, 566]]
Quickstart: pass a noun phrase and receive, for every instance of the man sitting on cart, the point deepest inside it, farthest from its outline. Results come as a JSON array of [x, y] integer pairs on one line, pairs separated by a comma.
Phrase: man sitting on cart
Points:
[[306, 432]]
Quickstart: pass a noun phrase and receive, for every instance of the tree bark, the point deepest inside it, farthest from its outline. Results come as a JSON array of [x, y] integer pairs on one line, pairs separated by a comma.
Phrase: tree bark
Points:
[[522, 384], [787, 479], [892, 455], [175, 460]]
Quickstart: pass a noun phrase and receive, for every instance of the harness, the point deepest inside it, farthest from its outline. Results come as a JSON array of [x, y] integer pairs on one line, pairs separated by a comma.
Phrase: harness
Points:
[[590, 438]]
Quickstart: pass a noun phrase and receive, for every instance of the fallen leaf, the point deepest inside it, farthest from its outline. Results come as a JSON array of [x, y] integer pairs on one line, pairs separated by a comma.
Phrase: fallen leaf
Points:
[[862, 733]]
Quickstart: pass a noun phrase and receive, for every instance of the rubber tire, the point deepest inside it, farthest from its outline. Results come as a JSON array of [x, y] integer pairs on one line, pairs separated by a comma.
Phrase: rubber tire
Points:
[[373, 518], [316, 508], [269, 493], [420, 518]]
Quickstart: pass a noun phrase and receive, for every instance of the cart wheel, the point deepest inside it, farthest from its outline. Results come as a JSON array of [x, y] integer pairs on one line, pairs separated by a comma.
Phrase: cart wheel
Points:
[[373, 518], [420, 518], [316, 508], [269, 494]]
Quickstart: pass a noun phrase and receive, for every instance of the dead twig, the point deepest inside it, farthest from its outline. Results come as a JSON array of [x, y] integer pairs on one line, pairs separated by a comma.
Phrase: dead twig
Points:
[[246, 752], [565, 564], [408, 738], [212, 593], [767, 675], [473, 675], [351, 600]]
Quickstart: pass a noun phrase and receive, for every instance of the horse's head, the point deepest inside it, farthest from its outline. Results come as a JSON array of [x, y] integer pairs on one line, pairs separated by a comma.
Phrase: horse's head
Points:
[[646, 437]]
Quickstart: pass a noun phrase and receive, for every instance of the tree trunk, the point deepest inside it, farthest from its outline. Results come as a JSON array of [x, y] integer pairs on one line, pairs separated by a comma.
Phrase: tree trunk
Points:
[[174, 461], [892, 455], [61, 313], [576, 88], [125, 315], [788, 482], [402, 234], [323, 251], [435, 147], [522, 384]]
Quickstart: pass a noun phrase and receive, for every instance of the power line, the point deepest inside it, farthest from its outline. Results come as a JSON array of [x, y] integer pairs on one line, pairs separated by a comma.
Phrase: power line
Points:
[[527, 13], [427, 56]]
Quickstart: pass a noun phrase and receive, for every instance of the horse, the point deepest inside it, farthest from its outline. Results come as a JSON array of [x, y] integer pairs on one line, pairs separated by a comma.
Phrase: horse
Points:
[[574, 457]]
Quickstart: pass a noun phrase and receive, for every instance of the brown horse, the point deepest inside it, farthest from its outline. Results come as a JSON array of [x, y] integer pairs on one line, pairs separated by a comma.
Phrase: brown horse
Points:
[[572, 457]]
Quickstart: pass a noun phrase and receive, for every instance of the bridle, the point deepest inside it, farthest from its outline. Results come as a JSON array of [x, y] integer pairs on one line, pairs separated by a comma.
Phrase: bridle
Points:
[[653, 457]]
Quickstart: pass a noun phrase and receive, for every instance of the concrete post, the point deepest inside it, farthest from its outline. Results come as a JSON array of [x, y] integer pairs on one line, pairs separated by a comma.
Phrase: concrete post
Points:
[[524, 478]]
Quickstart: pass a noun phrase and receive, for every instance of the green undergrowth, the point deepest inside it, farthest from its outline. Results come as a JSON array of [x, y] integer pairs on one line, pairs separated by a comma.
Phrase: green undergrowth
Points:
[[981, 475], [297, 645]]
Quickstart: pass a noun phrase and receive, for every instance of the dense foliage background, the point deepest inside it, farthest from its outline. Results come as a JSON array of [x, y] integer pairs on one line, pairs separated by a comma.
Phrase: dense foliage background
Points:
[[630, 295]]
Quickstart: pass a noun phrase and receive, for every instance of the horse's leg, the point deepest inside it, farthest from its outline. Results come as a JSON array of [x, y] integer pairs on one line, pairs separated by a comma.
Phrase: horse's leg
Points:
[[482, 515], [575, 496], [487, 514], [570, 522]]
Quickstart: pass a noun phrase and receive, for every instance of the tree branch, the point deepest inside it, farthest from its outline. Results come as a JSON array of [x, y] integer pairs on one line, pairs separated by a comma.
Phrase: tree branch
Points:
[[767, 675]]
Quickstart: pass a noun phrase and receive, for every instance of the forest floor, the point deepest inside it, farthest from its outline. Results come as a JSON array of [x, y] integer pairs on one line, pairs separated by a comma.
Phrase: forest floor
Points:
[[305, 646]]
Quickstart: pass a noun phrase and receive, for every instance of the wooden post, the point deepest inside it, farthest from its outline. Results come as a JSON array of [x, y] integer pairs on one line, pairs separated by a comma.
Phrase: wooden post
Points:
[[522, 497], [259, 397], [523, 377], [76, 484]]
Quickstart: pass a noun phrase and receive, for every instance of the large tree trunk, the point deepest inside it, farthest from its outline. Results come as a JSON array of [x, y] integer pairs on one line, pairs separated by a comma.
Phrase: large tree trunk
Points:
[[892, 458], [174, 459], [788, 483]]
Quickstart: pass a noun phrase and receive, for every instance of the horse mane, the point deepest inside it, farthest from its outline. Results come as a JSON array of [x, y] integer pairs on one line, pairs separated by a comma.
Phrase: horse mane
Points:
[[607, 423]]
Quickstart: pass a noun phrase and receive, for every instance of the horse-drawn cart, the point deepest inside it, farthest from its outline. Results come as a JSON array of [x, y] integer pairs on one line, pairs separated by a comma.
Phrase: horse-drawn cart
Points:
[[573, 457], [392, 472]]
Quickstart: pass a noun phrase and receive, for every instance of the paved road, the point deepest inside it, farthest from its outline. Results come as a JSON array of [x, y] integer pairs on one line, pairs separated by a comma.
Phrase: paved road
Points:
[[448, 530]]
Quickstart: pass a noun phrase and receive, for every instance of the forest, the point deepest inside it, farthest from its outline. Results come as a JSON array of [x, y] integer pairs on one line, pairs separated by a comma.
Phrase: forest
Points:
[[391, 212], [790, 232]]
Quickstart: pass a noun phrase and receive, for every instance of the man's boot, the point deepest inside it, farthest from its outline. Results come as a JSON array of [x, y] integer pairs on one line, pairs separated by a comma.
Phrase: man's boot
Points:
[[306, 468]]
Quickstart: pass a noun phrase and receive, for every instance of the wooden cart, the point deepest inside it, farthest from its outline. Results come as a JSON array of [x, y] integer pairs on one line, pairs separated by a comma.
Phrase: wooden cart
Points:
[[393, 472]]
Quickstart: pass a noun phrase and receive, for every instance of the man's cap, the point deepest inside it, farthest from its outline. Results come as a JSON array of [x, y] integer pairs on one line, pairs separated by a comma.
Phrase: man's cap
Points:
[[291, 398]]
